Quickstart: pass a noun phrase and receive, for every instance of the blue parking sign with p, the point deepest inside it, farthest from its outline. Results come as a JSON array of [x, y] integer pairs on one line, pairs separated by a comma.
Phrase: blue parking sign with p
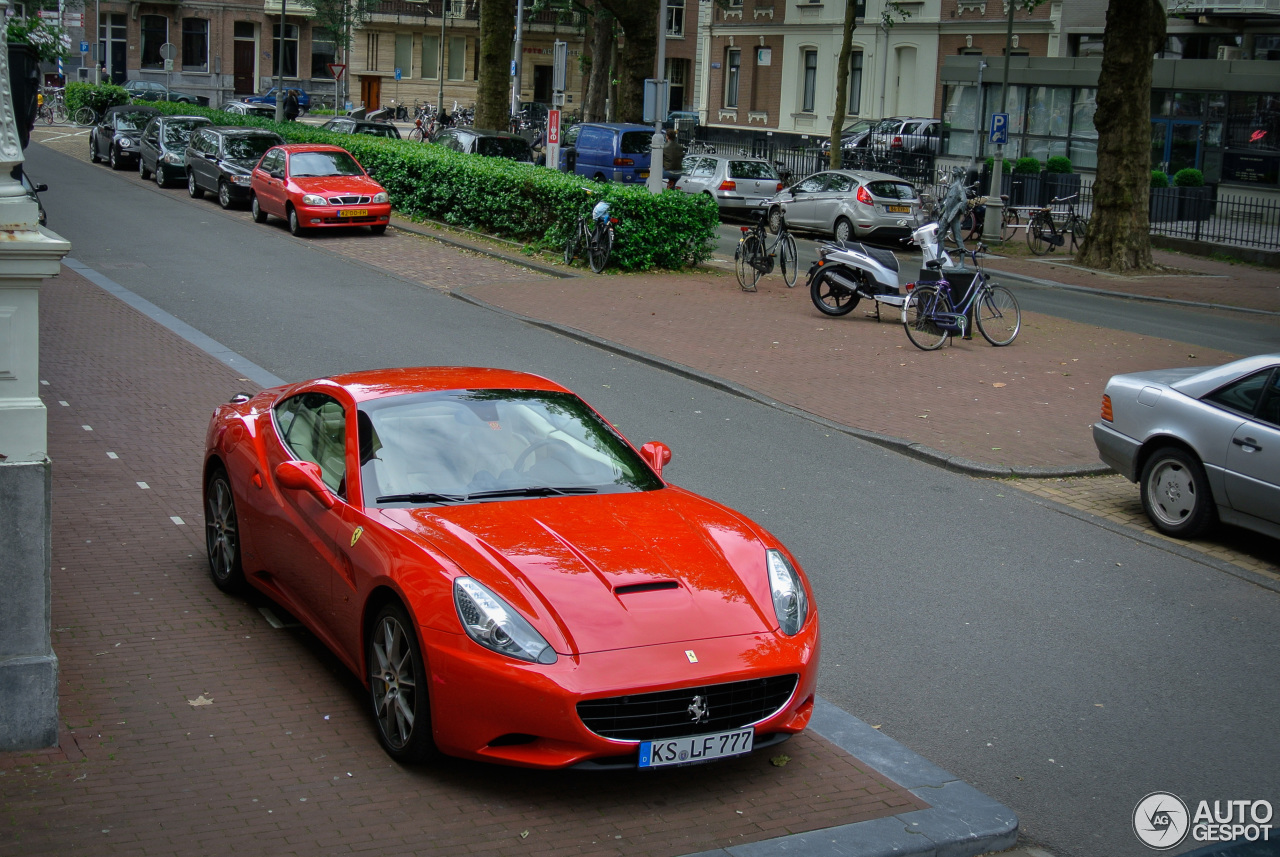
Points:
[[1000, 128]]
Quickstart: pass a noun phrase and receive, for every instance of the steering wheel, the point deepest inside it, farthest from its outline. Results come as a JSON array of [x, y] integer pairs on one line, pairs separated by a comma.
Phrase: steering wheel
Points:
[[531, 449]]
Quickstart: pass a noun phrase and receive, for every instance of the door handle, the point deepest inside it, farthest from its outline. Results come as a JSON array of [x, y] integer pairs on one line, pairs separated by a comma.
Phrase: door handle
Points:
[[1248, 444]]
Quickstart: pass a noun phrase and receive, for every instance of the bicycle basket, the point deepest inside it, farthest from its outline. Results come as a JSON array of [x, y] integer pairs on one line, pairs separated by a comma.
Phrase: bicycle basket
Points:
[[601, 211]]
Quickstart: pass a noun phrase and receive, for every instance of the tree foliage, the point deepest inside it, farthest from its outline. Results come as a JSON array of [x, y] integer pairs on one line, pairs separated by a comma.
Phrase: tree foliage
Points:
[[342, 18]]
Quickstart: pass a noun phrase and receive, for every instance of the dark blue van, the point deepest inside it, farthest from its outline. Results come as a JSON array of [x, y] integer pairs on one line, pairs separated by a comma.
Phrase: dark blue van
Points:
[[613, 152]]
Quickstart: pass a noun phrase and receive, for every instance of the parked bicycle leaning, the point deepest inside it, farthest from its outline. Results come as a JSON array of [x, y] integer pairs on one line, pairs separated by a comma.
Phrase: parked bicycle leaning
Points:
[[592, 236]]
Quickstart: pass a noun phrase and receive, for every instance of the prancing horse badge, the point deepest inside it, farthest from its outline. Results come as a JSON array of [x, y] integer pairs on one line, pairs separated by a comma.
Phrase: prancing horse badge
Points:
[[356, 534], [688, 653]]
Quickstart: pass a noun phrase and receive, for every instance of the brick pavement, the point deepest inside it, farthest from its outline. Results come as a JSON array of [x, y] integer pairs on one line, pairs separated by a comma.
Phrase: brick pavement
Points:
[[282, 759]]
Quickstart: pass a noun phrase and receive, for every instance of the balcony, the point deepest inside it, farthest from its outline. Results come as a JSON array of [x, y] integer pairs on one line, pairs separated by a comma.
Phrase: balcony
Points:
[[1230, 8], [465, 10]]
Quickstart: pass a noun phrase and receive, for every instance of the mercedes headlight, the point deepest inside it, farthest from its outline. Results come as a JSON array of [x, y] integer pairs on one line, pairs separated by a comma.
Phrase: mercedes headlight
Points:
[[313, 199], [789, 600], [380, 197], [492, 623]]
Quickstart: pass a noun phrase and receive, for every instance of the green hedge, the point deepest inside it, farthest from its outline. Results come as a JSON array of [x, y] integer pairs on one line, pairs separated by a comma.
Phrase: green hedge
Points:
[[532, 204], [99, 97], [1189, 177], [1027, 166], [1159, 178], [1058, 164]]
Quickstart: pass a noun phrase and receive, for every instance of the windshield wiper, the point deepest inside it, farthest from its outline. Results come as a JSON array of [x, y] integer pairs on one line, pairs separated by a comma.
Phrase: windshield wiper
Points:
[[531, 491], [423, 497]]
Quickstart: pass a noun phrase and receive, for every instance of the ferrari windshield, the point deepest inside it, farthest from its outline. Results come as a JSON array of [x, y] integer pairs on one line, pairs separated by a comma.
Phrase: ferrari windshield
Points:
[[485, 445]]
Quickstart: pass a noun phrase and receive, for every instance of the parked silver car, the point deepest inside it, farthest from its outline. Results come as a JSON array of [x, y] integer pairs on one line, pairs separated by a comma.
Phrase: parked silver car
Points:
[[736, 184], [908, 134], [1203, 444], [849, 205], [243, 108]]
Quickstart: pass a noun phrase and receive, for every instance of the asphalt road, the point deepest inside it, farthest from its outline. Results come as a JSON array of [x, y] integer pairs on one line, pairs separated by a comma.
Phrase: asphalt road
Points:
[[1063, 669]]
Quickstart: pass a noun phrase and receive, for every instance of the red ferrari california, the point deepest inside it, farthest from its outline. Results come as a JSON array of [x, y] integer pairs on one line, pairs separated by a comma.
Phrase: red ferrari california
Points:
[[511, 579], [314, 186]]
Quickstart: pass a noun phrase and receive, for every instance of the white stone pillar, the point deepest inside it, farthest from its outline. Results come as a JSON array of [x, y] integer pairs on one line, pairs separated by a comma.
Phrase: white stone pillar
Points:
[[28, 255]]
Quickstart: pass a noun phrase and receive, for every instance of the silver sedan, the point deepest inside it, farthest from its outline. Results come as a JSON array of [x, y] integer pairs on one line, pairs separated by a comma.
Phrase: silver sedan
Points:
[[1203, 444]]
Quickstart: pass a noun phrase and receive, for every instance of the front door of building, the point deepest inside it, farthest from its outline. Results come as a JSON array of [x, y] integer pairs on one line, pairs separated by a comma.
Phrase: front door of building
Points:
[[114, 47], [1175, 145], [246, 56], [371, 91], [542, 84]]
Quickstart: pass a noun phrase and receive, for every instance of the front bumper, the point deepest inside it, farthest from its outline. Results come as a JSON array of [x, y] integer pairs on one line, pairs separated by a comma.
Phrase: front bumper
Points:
[[490, 708], [1118, 451], [318, 216]]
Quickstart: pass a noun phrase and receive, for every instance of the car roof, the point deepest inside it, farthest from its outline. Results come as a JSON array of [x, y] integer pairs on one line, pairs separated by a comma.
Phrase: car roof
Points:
[[188, 118], [1213, 377], [130, 108], [242, 131], [481, 132], [299, 148], [731, 158], [381, 383], [617, 126]]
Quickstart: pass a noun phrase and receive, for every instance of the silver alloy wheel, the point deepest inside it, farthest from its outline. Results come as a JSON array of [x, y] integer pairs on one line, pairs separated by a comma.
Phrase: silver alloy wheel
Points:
[[224, 195], [193, 189], [843, 230], [1172, 490], [161, 181], [222, 533], [392, 682]]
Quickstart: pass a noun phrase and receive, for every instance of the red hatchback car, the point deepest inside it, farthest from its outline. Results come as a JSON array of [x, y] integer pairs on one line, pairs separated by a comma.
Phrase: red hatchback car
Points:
[[314, 186], [509, 577]]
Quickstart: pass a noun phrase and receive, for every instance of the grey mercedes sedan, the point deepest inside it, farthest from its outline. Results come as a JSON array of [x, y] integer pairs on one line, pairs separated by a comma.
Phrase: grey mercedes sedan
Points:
[[1203, 444]]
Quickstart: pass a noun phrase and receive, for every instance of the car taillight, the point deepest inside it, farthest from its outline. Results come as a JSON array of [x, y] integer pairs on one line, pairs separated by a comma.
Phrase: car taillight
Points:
[[779, 188], [896, 144], [864, 196], [623, 162], [1106, 409], [728, 184]]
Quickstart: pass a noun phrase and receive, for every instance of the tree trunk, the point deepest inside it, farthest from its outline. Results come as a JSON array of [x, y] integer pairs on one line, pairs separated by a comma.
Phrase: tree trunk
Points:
[[842, 83], [497, 35], [593, 110], [1119, 236], [639, 21]]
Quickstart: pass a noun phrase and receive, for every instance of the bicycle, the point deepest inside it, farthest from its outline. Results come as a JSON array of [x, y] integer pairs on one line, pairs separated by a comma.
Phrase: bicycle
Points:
[[1043, 233], [592, 236], [754, 256], [54, 108], [930, 315], [85, 116]]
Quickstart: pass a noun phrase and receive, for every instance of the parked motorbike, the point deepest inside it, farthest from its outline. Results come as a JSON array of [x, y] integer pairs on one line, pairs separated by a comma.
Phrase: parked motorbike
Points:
[[847, 273]]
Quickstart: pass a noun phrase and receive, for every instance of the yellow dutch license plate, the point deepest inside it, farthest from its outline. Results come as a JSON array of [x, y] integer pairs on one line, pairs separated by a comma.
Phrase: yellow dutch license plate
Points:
[[899, 209], [354, 212], [644, 174]]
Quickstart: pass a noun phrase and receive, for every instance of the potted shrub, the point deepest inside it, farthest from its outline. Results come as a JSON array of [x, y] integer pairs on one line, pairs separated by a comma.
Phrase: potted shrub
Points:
[[1195, 199], [1164, 199], [987, 167], [1059, 179], [1026, 182]]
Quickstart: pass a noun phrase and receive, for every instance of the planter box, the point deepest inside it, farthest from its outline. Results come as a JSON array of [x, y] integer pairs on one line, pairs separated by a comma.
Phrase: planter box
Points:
[[1058, 185], [1164, 204], [24, 78], [1026, 189], [1195, 203]]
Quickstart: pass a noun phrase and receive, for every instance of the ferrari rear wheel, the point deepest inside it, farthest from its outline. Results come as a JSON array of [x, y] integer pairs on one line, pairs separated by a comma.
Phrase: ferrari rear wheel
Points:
[[222, 533], [398, 687]]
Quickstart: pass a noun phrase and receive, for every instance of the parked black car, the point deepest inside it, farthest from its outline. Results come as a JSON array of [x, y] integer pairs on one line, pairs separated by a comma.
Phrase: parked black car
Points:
[[163, 148], [493, 144], [117, 133], [345, 125], [221, 160], [150, 90], [33, 192]]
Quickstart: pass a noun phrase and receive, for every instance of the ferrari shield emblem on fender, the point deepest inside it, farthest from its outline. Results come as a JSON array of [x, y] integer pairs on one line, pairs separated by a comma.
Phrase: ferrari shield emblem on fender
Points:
[[688, 653], [356, 534]]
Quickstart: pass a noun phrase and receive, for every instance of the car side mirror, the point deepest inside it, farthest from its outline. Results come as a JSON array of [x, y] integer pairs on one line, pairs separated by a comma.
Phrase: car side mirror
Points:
[[304, 476], [41, 188], [656, 454]]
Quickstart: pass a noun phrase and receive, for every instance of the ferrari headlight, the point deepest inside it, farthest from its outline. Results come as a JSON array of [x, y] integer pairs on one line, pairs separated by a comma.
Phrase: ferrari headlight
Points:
[[789, 600], [380, 197], [492, 623], [313, 199]]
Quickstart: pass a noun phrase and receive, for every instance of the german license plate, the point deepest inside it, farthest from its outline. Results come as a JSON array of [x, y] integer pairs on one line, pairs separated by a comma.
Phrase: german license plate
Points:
[[696, 748], [354, 212], [899, 209]]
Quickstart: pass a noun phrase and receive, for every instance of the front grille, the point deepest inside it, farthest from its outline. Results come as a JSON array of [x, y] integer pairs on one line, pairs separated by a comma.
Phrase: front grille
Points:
[[349, 200], [666, 714]]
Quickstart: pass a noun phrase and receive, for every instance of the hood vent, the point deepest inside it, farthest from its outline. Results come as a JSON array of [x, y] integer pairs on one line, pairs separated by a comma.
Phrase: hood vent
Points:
[[645, 587]]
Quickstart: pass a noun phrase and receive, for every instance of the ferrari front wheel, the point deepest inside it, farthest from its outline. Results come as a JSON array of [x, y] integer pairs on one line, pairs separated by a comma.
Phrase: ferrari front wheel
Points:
[[398, 687], [222, 533]]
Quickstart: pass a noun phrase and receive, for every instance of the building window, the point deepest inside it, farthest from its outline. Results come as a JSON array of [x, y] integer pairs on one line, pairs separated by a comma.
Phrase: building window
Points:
[[371, 51], [195, 44], [675, 18], [289, 55], [855, 84], [155, 32], [810, 81], [404, 53], [430, 57], [732, 71], [735, 4], [324, 50], [457, 57]]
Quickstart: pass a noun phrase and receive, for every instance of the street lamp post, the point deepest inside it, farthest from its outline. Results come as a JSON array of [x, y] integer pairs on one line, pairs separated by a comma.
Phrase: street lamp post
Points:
[[517, 64], [992, 227], [284, 5], [656, 182]]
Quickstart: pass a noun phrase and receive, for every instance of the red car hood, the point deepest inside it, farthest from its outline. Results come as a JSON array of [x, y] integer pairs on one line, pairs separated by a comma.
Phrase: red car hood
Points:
[[577, 566], [334, 185]]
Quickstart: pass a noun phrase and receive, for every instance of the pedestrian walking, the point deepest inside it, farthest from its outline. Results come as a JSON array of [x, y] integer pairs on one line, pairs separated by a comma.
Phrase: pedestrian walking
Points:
[[291, 106]]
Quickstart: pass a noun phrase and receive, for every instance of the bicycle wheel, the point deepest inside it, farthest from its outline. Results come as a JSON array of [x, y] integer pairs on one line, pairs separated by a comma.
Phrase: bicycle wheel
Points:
[[1009, 223], [789, 258], [998, 318], [60, 114], [1038, 232], [1079, 231], [85, 116], [749, 257], [574, 245], [917, 319], [46, 113], [599, 248]]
